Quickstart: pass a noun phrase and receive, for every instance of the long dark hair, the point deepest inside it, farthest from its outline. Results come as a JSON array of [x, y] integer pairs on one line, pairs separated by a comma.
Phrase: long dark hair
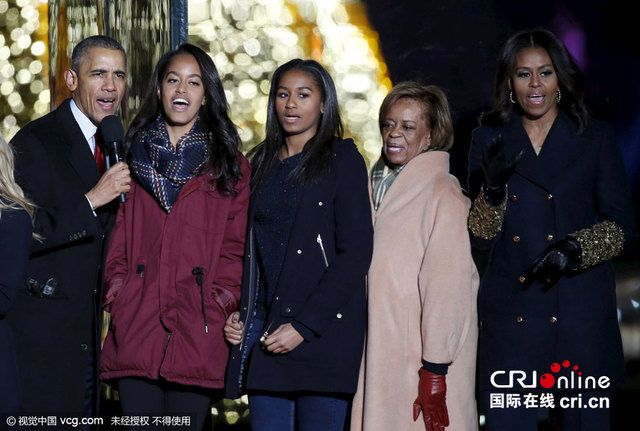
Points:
[[224, 141], [315, 155], [570, 77]]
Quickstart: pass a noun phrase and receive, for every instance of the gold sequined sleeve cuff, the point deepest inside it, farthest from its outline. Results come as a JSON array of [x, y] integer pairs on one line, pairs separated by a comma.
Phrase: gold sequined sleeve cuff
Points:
[[485, 220], [600, 243]]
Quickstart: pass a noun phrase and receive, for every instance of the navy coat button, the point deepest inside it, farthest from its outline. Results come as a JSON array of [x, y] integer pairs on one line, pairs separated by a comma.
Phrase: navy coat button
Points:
[[550, 237], [287, 310], [299, 251], [513, 197], [519, 319], [549, 196], [553, 319], [84, 347], [522, 279], [339, 315], [516, 238]]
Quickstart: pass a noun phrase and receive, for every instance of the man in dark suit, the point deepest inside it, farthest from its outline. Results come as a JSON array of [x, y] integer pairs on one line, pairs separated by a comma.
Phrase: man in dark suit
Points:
[[56, 317]]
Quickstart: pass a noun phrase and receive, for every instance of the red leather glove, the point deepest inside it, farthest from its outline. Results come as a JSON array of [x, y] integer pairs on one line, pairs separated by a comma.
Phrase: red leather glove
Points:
[[431, 401]]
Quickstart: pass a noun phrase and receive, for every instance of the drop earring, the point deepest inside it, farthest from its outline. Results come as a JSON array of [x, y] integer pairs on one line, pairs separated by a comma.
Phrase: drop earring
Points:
[[511, 97], [558, 96]]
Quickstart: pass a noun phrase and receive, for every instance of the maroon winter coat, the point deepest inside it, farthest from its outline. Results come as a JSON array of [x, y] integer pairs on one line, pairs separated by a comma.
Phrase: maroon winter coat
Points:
[[154, 261]]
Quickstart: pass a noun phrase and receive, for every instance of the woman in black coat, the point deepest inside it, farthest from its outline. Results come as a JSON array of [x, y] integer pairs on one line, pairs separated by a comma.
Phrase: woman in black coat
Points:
[[553, 207], [299, 334], [15, 243]]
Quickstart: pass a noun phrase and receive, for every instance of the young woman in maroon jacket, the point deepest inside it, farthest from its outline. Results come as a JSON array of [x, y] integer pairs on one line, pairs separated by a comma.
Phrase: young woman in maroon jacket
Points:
[[174, 264]]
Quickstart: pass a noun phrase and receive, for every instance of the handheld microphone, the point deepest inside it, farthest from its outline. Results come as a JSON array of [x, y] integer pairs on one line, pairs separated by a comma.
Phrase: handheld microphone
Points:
[[112, 134]]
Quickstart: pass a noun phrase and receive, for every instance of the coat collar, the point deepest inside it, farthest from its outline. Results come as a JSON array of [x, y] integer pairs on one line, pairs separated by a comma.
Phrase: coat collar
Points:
[[421, 169], [76, 147], [560, 149]]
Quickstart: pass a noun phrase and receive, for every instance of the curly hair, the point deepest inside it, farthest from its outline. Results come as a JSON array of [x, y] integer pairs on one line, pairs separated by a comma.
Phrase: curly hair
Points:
[[435, 109], [11, 195]]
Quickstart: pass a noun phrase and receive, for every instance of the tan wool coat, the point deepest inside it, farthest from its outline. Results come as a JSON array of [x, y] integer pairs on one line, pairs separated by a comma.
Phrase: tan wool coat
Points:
[[422, 288]]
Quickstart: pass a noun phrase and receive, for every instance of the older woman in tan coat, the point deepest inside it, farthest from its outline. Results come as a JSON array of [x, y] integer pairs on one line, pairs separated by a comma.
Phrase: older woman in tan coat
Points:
[[422, 330]]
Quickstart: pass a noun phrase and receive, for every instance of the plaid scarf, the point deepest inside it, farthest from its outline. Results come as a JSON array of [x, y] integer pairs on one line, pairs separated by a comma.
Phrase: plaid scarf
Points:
[[162, 169], [381, 179]]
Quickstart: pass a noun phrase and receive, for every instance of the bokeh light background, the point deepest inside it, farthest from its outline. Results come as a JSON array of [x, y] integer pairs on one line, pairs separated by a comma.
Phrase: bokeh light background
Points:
[[247, 39], [24, 90]]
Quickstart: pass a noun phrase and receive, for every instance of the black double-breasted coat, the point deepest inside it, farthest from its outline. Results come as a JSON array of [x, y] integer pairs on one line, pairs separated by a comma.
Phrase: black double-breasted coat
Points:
[[574, 183]]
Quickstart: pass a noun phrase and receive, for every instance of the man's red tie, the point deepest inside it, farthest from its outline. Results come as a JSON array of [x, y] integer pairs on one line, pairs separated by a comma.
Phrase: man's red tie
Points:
[[99, 156]]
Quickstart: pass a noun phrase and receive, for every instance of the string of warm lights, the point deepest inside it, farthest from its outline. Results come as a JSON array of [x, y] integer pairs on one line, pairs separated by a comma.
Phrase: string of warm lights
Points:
[[249, 39], [24, 93]]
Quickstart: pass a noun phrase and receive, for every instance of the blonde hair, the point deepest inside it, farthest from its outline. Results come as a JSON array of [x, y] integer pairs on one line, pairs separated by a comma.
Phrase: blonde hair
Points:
[[11, 195]]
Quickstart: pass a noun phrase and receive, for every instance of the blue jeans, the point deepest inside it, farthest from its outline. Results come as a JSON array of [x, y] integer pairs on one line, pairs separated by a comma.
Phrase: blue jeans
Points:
[[299, 411], [304, 411]]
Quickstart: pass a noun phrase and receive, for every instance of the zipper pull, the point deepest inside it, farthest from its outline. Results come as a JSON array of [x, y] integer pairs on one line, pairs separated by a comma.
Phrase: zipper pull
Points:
[[140, 270], [266, 332], [324, 255]]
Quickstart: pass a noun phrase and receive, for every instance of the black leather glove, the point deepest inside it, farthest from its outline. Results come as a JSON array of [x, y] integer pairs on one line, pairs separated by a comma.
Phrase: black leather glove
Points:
[[497, 170], [558, 259]]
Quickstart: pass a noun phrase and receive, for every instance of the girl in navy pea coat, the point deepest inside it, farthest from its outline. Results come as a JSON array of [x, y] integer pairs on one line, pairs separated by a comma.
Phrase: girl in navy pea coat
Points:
[[298, 336]]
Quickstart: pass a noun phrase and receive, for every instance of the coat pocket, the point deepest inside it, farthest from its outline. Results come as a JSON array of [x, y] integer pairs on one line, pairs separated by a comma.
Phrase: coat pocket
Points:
[[225, 300], [115, 286], [316, 351]]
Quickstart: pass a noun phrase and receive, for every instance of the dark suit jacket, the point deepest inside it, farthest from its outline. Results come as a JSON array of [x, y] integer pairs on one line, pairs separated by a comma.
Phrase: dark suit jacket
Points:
[[321, 286], [576, 181], [15, 242], [57, 334]]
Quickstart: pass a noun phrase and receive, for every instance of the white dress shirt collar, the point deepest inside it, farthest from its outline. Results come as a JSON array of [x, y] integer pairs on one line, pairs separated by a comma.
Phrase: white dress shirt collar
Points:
[[86, 126]]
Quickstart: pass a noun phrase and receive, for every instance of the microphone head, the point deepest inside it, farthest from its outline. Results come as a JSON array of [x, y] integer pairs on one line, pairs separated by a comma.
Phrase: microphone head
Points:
[[111, 129]]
